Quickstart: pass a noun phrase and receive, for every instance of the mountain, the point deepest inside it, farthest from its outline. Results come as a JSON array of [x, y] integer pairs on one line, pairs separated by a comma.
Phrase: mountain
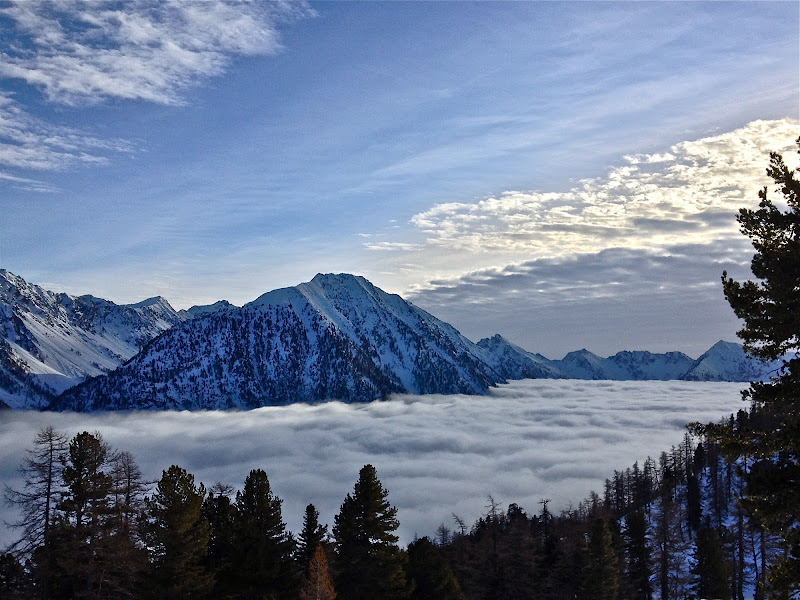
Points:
[[51, 341], [726, 361], [335, 337], [512, 362]]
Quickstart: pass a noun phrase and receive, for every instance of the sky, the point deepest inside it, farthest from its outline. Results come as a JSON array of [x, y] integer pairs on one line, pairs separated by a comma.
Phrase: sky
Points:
[[564, 174], [436, 455]]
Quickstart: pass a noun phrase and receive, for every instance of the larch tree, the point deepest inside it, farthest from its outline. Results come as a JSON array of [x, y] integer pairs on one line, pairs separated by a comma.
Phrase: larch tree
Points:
[[317, 584]]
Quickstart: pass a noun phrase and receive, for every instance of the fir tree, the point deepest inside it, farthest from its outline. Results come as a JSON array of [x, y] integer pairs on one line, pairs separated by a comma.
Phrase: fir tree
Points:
[[711, 571], [369, 564], [310, 537], [264, 549], [176, 537], [600, 574], [429, 575]]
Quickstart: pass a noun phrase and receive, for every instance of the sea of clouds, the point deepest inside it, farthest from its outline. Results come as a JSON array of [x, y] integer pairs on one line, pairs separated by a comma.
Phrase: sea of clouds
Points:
[[437, 455]]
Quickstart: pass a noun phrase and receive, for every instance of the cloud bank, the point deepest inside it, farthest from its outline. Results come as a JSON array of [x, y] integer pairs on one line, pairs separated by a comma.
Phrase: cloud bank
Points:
[[654, 200], [437, 455]]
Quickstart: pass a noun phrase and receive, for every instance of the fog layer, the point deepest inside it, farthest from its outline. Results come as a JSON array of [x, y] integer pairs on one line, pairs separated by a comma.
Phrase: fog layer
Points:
[[437, 455]]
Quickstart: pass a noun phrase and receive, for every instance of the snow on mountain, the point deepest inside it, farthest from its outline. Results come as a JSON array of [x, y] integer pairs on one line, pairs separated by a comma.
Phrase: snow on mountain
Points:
[[335, 337], [512, 362], [200, 311], [726, 361], [51, 341]]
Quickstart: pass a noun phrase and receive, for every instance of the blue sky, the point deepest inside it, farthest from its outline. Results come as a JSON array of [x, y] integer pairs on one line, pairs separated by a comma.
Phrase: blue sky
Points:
[[565, 174]]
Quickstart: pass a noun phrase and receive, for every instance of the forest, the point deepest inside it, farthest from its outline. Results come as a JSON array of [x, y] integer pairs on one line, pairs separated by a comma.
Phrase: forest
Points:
[[92, 527]]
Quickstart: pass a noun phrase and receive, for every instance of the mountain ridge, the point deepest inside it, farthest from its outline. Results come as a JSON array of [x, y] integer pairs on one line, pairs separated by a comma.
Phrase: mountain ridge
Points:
[[343, 338]]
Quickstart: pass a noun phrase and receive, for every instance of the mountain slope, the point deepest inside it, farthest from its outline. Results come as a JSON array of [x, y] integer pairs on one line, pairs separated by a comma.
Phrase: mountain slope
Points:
[[726, 361], [51, 341], [336, 337]]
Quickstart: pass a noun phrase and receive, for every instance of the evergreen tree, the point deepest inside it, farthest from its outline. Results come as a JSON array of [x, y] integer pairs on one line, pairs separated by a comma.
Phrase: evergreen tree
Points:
[[429, 575], [317, 584], [638, 556], [711, 571], [264, 549], [600, 574], [770, 308], [369, 564], [84, 529], [176, 537], [310, 537], [222, 517]]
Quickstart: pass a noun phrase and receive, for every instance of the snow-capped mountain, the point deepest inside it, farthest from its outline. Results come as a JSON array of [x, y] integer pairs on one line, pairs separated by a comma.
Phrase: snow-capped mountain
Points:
[[513, 362], [335, 337], [726, 361], [51, 341]]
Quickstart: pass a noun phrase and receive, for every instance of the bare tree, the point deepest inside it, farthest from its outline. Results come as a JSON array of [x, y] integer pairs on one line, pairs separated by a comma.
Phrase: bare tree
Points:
[[41, 474]]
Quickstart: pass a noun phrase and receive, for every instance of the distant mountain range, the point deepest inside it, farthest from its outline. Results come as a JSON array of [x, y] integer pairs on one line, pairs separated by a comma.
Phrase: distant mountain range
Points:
[[335, 337]]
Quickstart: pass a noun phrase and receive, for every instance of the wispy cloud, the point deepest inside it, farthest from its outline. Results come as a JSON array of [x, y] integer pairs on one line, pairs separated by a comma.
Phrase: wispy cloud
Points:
[[650, 201], [435, 454], [80, 52], [30, 143]]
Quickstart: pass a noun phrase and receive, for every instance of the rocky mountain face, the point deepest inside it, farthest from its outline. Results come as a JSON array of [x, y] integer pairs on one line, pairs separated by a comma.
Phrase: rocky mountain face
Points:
[[336, 337], [52, 341], [725, 361]]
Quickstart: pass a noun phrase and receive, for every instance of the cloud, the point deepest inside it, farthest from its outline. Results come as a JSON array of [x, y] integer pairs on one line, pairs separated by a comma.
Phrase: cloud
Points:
[[435, 454], [615, 299], [30, 143], [81, 52], [649, 202]]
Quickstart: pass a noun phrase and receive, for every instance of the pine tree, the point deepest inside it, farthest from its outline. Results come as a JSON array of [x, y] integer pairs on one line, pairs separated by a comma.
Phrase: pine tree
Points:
[[770, 308], [369, 564], [264, 549], [429, 575], [639, 556], [711, 571], [310, 537], [317, 584], [176, 537], [222, 516], [600, 574]]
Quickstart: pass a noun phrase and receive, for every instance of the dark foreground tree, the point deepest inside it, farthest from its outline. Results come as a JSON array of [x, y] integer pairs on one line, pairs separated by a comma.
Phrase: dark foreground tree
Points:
[[369, 563], [429, 575], [600, 574], [310, 537], [263, 559], [177, 538], [37, 501], [770, 308], [711, 570]]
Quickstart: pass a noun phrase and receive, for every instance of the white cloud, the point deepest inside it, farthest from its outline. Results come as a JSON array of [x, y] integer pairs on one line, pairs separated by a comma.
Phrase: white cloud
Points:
[[650, 202], [435, 454], [30, 143], [81, 52]]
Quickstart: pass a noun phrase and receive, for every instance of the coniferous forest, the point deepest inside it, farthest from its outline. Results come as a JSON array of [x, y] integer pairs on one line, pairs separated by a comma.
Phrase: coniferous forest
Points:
[[717, 516]]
